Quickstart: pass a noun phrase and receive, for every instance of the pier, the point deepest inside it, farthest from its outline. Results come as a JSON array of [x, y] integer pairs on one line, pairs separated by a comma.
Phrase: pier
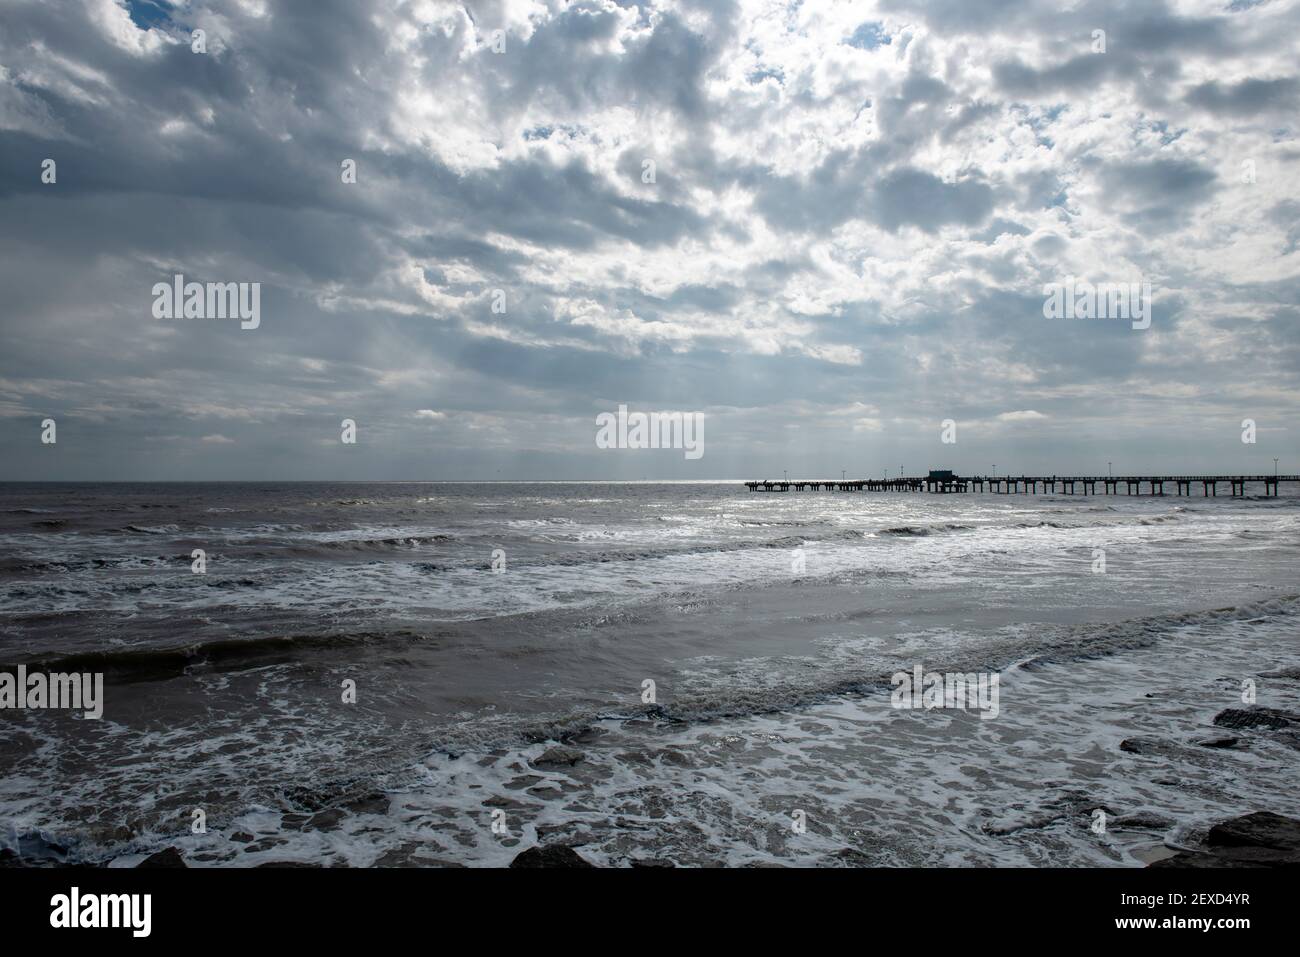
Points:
[[944, 482]]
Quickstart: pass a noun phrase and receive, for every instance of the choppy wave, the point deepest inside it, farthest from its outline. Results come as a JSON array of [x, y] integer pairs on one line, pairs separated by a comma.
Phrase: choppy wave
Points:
[[372, 544], [923, 530], [865, 674], [138, 663]]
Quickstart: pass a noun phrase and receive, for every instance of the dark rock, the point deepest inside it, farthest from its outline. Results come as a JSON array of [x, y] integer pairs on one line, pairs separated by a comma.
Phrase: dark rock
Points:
[[671, 756], [243, 837], [1261, 839], [546, 831], [168, 857], [649, 862], [376, 803], [853, 857], [587, 736], [1261, 829], [1240, 719], [557, 855], [325, 820], [524, 781], [1148, 746], [403, 856], [265, 844], [330, 818], [558, 756], [628, 824]]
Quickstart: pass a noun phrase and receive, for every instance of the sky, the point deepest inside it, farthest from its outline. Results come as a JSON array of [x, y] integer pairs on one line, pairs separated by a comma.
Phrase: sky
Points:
[[825, 227]]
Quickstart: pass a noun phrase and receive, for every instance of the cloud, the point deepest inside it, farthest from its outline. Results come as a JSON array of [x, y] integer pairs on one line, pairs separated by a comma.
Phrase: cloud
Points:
[[1158, 189], [1025, 415], [913, 197], [1247, 98], [849, 202]]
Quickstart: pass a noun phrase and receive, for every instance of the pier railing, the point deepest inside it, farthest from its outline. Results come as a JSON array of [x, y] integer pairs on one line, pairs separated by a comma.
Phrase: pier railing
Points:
[[1030, 484]]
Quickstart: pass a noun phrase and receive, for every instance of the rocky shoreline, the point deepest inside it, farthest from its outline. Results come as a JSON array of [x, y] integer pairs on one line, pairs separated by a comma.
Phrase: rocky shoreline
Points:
[[1257, 839]]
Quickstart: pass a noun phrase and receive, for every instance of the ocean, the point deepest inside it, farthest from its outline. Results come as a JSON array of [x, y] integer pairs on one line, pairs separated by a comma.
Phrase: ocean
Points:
[[689, 673]]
